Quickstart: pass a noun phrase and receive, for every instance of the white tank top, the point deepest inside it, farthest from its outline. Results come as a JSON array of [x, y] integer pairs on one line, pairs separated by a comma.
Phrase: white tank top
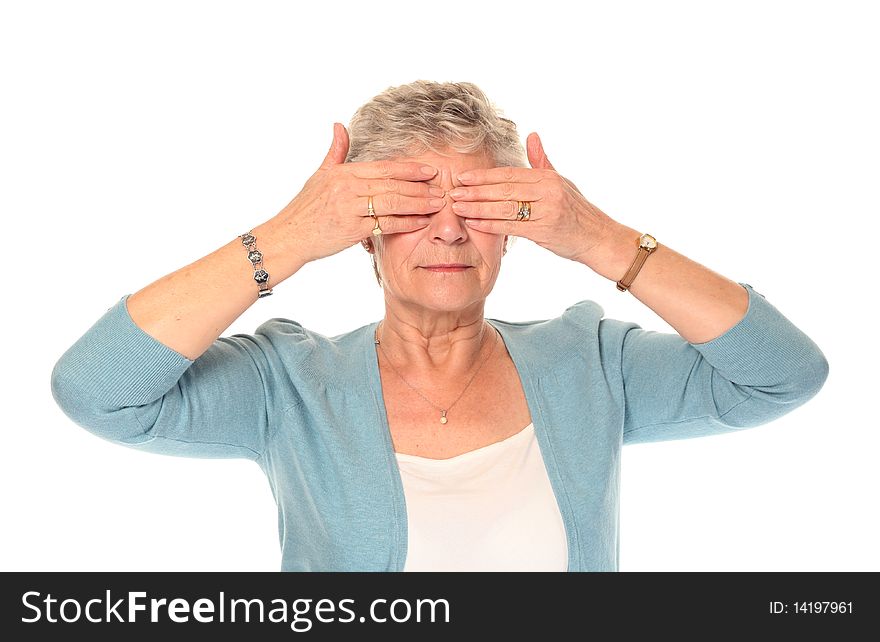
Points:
[[490, 509]]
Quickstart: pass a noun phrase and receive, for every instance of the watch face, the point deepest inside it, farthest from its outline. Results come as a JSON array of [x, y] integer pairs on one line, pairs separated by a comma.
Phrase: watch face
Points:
[[648, 242]]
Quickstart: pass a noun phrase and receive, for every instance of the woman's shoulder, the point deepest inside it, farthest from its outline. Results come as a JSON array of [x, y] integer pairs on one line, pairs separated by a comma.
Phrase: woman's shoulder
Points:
[[292, 343], [586, 313], [580, 332], [287, 348], [280, 330]]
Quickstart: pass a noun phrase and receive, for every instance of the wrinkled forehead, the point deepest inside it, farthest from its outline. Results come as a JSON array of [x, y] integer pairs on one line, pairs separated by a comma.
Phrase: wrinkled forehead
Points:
[[450, 164]]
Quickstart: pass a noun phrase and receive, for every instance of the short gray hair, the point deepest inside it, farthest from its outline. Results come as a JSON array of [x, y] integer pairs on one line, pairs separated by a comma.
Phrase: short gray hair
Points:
[[421, 116]]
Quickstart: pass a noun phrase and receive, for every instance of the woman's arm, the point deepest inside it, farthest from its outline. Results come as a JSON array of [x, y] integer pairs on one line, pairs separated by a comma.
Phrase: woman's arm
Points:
[[187, 310], [154, 373], [735, 361], [760, 369], [698, 303]]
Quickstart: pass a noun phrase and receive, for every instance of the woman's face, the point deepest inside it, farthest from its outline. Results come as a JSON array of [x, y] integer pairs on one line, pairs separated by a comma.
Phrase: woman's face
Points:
[[408, 261]]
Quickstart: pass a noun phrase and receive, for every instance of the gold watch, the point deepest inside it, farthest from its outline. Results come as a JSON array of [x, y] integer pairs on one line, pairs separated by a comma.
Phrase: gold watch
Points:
[[647, 244]]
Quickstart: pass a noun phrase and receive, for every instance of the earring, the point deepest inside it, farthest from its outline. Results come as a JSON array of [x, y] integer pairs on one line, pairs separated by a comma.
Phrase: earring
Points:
[[376, 271]]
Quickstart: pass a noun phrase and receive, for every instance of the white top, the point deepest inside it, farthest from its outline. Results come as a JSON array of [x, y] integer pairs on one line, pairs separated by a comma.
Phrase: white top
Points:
[[490, 509]]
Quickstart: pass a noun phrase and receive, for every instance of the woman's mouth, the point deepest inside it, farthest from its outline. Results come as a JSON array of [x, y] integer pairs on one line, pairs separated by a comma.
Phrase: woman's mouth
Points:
[[446, 267]]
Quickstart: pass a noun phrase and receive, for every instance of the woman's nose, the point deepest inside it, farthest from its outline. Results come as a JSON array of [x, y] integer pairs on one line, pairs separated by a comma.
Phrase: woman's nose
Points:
[[446, 225]]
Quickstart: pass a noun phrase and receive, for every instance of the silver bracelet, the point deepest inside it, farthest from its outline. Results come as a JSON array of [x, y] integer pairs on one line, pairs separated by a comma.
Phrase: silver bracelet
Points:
[[256, 259]]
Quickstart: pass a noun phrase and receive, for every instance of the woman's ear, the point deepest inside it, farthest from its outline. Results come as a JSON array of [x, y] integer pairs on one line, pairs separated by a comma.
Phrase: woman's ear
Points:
[[368, 245]]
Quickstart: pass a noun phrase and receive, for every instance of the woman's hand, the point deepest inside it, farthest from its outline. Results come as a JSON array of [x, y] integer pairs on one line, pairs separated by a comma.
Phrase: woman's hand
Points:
[[188, 309], [561, 219], [330, 212]]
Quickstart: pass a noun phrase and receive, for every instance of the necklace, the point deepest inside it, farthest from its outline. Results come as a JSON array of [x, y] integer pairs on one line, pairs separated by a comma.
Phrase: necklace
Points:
[[443, 411]]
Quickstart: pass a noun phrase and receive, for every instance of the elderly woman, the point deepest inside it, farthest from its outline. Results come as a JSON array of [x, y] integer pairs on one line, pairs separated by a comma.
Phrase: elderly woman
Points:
[[435, 438]]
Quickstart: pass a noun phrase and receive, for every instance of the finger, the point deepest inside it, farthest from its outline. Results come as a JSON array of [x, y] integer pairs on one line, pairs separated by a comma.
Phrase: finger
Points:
[[374, 187], [390, 204], [506, 191], [493, 226], [499, 175], [535, 149], [500, 210], [403, 170], [398, 224], [338, 148]]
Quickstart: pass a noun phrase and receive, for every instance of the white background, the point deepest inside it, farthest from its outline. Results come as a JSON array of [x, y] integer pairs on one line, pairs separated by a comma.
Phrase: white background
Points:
[[139, 136]]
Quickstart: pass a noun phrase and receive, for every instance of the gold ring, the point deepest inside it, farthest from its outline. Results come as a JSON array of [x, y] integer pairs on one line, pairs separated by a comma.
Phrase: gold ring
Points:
[[524, 210], [376, 230]]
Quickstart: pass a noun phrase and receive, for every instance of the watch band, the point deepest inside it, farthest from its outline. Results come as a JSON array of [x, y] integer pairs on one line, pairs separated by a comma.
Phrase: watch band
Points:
[[645, 249]]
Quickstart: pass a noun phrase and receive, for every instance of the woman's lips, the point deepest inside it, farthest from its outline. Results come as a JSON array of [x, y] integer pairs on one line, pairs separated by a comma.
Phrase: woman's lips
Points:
[[447, 267]]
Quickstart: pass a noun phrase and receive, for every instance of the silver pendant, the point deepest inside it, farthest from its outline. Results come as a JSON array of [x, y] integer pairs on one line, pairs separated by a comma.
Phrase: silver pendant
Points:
[[443, 418]]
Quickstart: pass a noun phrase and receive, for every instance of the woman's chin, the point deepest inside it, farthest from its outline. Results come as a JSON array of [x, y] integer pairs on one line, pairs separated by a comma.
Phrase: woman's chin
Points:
[[448, 300]]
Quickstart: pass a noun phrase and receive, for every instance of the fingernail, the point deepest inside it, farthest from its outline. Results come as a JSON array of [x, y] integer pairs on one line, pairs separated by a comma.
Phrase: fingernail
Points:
[[473, 222], [438, 202], [436, 191], [466, 176], [459, 207], [457, 193], [427, 170]]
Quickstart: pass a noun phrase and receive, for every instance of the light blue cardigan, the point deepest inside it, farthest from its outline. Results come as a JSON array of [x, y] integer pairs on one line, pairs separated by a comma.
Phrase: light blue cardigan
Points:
[[309, 410]]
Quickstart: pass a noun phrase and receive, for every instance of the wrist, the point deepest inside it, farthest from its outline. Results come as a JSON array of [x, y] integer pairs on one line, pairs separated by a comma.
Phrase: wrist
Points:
[[281, 257], [255, 256], [612, 257]]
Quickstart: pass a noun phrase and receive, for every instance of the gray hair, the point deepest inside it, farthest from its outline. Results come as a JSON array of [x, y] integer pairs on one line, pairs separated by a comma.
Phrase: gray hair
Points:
[[408, 120], [421, 116]]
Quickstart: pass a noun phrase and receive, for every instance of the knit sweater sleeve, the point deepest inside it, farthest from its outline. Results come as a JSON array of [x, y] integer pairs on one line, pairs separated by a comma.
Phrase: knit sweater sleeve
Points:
[[760, 369], [125, 386]]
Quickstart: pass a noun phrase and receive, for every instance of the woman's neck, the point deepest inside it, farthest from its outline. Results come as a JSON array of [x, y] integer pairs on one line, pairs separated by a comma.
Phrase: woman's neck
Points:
[[453, 343]]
